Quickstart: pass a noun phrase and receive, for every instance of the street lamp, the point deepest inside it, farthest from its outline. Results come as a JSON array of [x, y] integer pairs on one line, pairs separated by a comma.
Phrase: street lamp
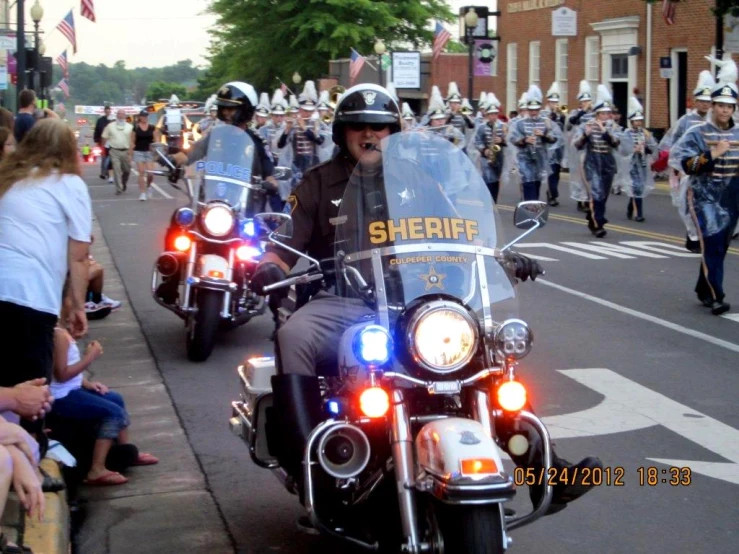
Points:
[[297, 78], [37, 13], [380, 50], [470, 23]]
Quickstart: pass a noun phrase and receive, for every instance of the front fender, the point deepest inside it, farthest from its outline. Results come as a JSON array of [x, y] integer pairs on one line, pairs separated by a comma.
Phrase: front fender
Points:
[[441, 448], [211, 266]]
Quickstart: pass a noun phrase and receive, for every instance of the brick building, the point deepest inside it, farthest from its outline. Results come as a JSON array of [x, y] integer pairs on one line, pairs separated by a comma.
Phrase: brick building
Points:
[[612, 46]]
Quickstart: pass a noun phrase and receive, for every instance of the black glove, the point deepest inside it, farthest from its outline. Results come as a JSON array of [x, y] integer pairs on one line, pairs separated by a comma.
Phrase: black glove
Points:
[[175, 174], [266, 274], [523, 267]]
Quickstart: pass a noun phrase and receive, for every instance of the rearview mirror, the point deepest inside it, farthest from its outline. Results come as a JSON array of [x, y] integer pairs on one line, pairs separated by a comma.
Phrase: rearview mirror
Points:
[[529, 213], [277, 224]]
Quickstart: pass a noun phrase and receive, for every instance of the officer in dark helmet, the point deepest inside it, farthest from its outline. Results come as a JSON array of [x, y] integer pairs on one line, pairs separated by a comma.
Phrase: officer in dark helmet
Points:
[[308, 343], [236, 102]]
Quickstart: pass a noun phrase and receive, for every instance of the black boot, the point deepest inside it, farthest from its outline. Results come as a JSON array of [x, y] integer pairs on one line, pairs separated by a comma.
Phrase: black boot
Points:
[[630, 210], [296, 411], [533, 458]]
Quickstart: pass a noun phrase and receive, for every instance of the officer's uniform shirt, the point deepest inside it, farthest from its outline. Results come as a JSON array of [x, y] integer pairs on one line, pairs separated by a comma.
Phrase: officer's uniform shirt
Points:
[[314, 206]]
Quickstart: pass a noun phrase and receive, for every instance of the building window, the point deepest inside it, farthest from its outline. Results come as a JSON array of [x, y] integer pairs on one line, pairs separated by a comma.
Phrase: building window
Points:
[[534, 62], [619, 66], [512, 76], [592, 61], [561, 67]]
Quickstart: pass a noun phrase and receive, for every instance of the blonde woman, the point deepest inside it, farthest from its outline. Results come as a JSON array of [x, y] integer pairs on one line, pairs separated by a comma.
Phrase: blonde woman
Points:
[[45, 227]]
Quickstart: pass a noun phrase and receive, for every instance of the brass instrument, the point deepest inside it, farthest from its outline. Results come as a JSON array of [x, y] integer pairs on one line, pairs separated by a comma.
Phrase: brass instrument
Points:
[[563, 109], [327, 118], [493, 153], [334, 93]]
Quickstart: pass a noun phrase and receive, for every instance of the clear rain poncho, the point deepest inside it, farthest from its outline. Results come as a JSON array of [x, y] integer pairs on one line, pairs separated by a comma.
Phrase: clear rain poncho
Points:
[[533, 160], [637, 165], [598, 166], [578, 192], [711, 192]]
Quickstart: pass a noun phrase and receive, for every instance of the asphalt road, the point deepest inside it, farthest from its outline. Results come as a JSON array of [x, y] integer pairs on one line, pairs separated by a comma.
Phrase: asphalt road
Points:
[[626, 366]]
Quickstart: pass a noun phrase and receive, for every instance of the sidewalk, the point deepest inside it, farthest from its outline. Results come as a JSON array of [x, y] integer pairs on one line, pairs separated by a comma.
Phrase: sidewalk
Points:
[[163, 508]]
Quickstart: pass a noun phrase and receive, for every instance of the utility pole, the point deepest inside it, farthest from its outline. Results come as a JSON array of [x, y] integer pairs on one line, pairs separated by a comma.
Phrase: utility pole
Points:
[[20, 54]]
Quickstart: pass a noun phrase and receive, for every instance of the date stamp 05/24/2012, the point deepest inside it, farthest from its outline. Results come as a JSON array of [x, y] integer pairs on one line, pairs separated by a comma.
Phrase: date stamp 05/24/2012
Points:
[[609, 476]]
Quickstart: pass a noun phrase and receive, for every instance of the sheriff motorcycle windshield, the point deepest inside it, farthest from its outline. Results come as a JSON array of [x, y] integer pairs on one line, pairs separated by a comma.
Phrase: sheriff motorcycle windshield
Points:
[[226, 171], [417, 220]]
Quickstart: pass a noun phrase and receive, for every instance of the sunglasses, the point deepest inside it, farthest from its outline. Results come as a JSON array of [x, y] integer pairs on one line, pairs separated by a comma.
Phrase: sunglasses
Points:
[[363, 126]]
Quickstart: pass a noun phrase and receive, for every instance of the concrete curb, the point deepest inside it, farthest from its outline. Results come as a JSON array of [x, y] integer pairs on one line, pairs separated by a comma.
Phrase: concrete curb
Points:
[[50, 536]]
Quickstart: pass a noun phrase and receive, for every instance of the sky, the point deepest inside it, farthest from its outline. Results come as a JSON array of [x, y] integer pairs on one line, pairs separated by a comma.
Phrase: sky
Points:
[[151, 33]]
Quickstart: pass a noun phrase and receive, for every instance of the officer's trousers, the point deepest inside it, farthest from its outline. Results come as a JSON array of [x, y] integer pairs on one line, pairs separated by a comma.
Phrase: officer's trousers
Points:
[[309, 341]]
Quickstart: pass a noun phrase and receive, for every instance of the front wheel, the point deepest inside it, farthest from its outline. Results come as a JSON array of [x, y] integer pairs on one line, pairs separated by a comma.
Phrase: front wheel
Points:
[[469, 529], [203, 326]]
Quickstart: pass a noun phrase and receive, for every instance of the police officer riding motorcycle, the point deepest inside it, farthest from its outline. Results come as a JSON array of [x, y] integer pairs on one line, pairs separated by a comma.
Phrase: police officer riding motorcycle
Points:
[[323, 209], [211, 247]]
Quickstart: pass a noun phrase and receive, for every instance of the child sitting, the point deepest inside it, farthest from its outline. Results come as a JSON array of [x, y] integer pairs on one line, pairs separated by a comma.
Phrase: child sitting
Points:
[[77, 398]]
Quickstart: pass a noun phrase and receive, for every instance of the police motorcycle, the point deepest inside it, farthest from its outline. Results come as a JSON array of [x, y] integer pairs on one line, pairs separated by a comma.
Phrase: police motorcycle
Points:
[[407, 455], [215, 249]]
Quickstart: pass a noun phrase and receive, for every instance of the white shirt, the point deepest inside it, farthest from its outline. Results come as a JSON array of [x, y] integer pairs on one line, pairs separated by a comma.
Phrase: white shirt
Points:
[[60, 390], [37, 217]]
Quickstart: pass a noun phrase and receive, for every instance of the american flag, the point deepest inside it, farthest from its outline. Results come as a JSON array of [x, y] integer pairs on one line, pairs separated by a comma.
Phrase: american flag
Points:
[[668, 11], [64, 86], [87, 9], [66, 27], [355, 65], [62, 61], [441, 37]]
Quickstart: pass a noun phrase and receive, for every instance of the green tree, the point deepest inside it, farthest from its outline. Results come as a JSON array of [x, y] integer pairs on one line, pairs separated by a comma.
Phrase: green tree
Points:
[[259, 40], [722, 7], [161, 89]]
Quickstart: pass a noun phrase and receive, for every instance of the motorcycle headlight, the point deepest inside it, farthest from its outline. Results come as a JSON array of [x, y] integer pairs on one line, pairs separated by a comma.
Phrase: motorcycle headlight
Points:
[[513, 339], [442, 337], [218, 220]]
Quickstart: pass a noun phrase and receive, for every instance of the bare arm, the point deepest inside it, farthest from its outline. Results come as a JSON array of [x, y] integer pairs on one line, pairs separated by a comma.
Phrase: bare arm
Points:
[[78, 278]]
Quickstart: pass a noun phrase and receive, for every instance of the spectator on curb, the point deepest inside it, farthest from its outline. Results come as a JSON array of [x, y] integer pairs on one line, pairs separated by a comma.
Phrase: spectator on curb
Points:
[[45, 227], [25, 119], [97, 136], [118, 135], [98, 306], [79, 399]]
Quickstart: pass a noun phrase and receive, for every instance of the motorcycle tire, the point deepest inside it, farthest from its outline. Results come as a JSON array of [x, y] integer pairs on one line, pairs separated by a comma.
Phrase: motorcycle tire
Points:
[[470, 529], [203, 326]]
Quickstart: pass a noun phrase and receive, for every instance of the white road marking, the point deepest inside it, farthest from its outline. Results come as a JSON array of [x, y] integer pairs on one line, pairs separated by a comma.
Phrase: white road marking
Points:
[[641, 315], [633, 406], [614, 250], [154, 186], [732, 317], [661, 248], [560, 249]]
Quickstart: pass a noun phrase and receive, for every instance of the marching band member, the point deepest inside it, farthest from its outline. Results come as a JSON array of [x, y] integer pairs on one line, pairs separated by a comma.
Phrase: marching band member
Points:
[[409, 118], [576, 118], [599, 165], [638, 148], [490, 142], [301, 141], [532, 135], [677, 179], [556, 155], [438, 116], [708, 154], [261, 114], [460, 121]]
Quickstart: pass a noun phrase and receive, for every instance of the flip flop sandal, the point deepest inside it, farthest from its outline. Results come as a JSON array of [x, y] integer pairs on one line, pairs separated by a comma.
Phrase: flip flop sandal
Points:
[[106, 479], [146, 459]]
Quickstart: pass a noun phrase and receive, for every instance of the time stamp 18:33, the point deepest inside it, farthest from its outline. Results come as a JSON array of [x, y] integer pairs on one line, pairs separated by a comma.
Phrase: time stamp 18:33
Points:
[[609, 476]]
